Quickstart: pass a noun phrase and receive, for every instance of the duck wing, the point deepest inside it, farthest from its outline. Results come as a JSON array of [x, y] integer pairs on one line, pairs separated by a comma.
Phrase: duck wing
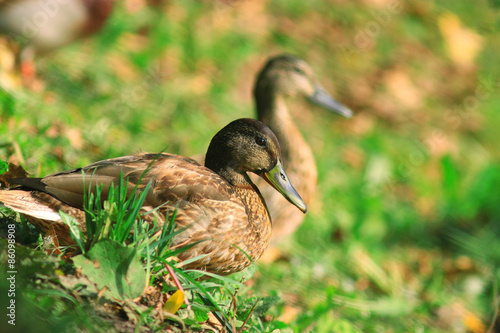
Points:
[[213, 218], [173, 177]]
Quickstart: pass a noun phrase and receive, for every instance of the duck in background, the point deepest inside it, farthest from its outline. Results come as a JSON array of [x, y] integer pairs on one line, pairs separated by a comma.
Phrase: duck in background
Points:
[[221, 210], [43, 26], [289, 76]]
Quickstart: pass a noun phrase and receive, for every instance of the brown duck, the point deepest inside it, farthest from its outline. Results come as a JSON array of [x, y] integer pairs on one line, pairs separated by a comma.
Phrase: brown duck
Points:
[[43, 26], [289, 76], [218, 204]]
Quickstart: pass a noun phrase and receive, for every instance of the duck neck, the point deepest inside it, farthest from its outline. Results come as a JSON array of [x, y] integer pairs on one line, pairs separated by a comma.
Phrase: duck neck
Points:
[[259, 219], [232, 176], [296, 154], [273, 112]]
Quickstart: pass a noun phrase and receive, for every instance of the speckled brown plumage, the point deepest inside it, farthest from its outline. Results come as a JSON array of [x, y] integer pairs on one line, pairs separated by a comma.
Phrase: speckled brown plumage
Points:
[[218, 205], [289, 76]]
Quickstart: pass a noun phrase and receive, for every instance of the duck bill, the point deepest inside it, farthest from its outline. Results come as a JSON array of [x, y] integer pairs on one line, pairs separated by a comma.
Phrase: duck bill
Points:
[[278, 179], [323, 99]]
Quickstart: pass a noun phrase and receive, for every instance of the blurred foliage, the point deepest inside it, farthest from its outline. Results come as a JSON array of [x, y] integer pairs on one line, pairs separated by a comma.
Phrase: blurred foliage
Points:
[[404, 231]]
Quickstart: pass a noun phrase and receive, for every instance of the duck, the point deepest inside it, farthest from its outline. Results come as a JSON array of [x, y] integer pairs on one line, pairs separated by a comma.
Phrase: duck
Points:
[[43, 26], [288, 76], [222, 215]]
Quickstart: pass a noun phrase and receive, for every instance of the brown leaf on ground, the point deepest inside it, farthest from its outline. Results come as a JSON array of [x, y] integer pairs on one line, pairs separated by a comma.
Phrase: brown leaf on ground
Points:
[[462, 44], [290, 313], [354, 156], [362, 124], [457, 318], [133, 6], [214, 322], [7, 56], [15, 171], [9, 77], [122, 66], [426, 207], [440, 143], [270, 255], [401, 87], [74, 136], [377, 3]]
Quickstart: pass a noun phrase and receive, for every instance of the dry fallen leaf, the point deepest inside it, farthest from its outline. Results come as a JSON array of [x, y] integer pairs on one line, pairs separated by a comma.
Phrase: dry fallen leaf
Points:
[[400, 86], [290, 313], [212, 320], [7, 56], [133, 6], [381, 4], [122, 66], [9, 76], [174, 302], [354, 156], [456, 317], [473, 323], [462, 44], [440, 143], [74, 136], [270, 255], [15, 171]]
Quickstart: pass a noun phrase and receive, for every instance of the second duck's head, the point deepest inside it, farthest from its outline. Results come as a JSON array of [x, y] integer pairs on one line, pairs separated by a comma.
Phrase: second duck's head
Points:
[[288, 75], [247, 145]]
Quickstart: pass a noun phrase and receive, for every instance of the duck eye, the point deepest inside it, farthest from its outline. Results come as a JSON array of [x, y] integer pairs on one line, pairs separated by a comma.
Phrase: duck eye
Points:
[[260, 141], [298, 70]]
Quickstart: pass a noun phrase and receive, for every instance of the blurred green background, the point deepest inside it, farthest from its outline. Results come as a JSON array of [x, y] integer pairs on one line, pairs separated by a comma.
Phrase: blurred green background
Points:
[[404, 235]]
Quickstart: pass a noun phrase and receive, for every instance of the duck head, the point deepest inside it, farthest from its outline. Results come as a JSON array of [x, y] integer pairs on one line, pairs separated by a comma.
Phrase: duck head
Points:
[[247, 145], [289, 75]]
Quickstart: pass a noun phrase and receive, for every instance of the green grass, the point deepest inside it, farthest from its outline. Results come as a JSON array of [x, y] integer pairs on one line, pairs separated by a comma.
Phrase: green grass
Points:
[[120, 271], [405, 227]]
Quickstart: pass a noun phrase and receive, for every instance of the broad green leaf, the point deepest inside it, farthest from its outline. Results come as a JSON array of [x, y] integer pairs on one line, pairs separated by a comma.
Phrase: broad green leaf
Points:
[[115, 267], [200, 316]]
